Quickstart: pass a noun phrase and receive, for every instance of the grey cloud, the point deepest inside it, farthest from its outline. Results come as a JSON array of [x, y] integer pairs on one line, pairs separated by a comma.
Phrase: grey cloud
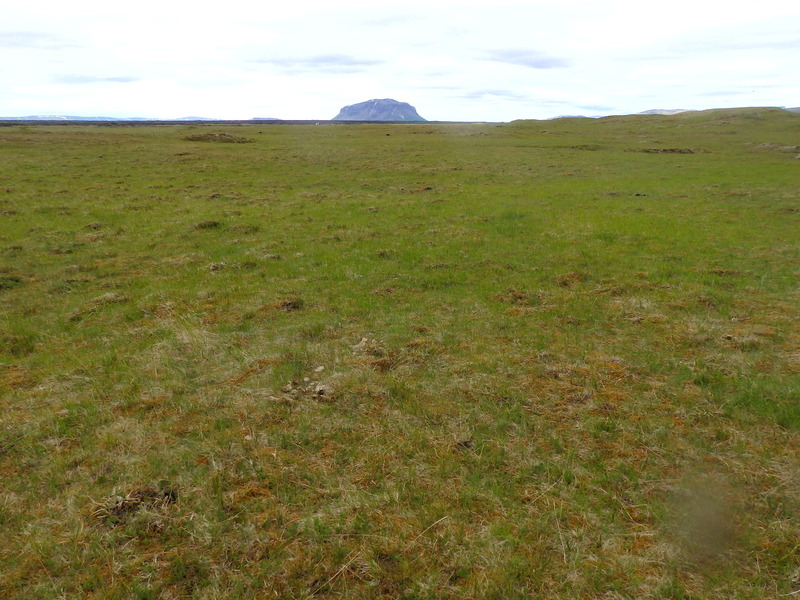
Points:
[[528, 58], [32, 39], [80, 79], [325, 62]]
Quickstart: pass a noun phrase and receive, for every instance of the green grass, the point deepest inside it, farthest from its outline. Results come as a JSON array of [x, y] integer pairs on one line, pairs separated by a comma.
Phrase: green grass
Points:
[[534, 359]]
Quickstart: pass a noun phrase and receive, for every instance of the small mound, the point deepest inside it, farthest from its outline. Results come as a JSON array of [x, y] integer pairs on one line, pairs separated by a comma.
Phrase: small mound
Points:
[[218, 137]]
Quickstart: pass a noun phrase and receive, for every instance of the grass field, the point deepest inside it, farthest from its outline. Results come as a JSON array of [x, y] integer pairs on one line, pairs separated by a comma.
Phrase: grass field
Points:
[[552, 359]]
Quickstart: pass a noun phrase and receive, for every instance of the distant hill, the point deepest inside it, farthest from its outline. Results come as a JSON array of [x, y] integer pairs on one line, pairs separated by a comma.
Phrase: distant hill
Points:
[[379, 110], [75, 118], [677, 111], [663, 111], [372, 110], [64, 118]]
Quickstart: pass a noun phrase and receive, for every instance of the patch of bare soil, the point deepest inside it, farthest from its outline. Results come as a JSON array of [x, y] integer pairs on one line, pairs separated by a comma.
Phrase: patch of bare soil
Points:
[[669, 151], [218, 137], [116, 508]]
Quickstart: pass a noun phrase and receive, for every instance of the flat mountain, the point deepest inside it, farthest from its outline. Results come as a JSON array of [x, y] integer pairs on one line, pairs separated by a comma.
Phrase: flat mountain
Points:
[[379, 110]]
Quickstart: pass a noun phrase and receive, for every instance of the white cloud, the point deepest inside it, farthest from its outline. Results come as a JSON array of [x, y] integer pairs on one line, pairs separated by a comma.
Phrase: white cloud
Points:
[[32, 39], [84, 79], [459, 60]]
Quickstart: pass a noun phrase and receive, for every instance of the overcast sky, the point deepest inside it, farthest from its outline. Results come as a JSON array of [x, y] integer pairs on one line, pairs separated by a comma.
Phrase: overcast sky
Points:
[[490, 60]]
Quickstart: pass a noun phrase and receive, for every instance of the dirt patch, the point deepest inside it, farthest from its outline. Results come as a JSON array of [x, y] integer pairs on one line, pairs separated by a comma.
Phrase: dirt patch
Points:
[[208, 225], [570, 279], [117, 507], [14, 377], [225, 138], [245, 229], [373, 354], [292, 304], [513, 296], [725, 272], [9, 282], [669, 151]]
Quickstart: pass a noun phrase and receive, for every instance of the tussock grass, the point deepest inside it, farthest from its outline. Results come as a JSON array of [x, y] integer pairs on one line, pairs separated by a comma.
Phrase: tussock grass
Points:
[[538, 359]]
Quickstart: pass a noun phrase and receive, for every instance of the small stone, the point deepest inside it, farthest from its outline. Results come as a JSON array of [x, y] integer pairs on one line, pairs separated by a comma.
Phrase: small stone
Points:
[[319, 369]]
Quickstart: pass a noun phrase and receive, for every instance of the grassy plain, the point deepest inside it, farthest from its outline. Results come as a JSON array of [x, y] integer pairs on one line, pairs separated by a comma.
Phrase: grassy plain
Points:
[[529, 360]]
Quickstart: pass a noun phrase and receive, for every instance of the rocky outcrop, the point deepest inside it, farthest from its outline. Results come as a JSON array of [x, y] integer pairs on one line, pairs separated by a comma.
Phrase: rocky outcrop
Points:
[[379, 110]]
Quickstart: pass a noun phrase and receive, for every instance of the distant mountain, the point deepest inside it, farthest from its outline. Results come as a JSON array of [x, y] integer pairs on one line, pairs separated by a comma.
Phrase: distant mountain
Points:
[[372, 110], [662, 111], [379, 110], [59, 118], [676, 111], [75, 118]]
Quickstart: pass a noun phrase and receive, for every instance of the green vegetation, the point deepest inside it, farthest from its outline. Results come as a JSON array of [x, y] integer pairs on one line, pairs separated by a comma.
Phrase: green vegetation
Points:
[[529, 360]]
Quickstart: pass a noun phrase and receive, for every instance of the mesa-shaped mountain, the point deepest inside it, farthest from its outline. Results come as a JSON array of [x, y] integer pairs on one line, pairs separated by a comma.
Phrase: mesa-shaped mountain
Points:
[[379, 110]]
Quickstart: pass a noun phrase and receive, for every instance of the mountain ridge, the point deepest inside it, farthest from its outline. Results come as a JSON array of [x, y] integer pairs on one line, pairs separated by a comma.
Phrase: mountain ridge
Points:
[[339, 117]]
